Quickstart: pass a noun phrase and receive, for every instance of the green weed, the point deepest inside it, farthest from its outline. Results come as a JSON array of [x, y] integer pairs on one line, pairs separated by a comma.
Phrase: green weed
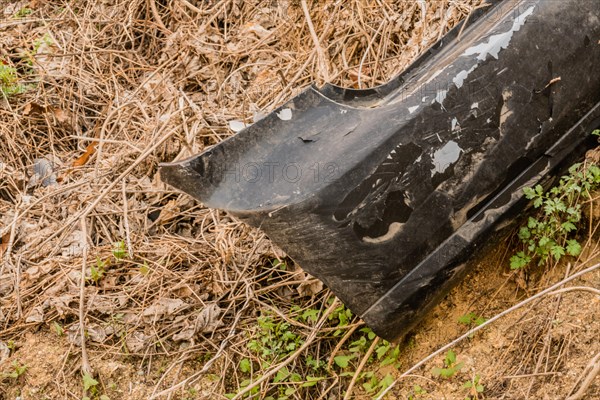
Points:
[[97, 272], [471, 319], [92, 389], [17, 370], [119, 250], [9, 81], [451, 366], [417, 393], [550, 236], [475, 388], [276, 338], [23, 12]]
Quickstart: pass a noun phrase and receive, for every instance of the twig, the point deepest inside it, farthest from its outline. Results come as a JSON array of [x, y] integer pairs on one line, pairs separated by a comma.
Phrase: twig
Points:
[[335, 382], [339, 345], [323, 66], [577, 288], [85, 362], [6, 254], [362, 364], [157, 17], [364, 57], [126, 220], [530, 375], [488, 322], [466, 21], [594, 368]]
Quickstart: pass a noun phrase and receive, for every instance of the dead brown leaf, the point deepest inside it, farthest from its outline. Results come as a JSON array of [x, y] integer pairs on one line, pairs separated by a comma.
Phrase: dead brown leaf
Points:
[[84, 158], [33, 108], [4, 243]]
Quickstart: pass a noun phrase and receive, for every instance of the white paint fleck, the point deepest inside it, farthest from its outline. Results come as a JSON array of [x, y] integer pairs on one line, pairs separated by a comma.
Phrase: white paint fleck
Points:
[[285, 114], [531, 141], [343, 111], [446, 156], [459, 79], [413, 109], [424, 99], [237, 126], [495, 43], [474, 106], [257, 116], [393, 230], [440, 96], [505, 112], [489, 120], [455, 124]]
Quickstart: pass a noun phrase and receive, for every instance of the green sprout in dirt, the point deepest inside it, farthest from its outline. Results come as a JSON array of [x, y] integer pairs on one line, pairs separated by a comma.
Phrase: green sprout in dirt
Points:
[[92, 389], [343, 315], [417, 393], [275, 340], [119, 250], [97, 271], [451, 366], [475, 388], [17, 370], [23, 12], [44, 40], [550, 235], [384, 354], [57, 328], [9, 81], [471, 319]]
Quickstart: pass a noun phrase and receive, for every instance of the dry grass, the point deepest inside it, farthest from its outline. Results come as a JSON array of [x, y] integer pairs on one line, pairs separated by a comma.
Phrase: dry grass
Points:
[[110, 90]]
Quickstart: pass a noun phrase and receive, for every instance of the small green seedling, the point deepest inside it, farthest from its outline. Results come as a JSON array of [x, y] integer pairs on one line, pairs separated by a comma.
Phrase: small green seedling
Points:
[[451, 367], [374, 386], [91, 388], [279, 264], [475, 388], [17, 370], [417, 392], [23, 12], [119, 250], [144, 269], [245, 365], [9, 81], [343, 361], [97, 272], [57, 328], [471, 319]]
